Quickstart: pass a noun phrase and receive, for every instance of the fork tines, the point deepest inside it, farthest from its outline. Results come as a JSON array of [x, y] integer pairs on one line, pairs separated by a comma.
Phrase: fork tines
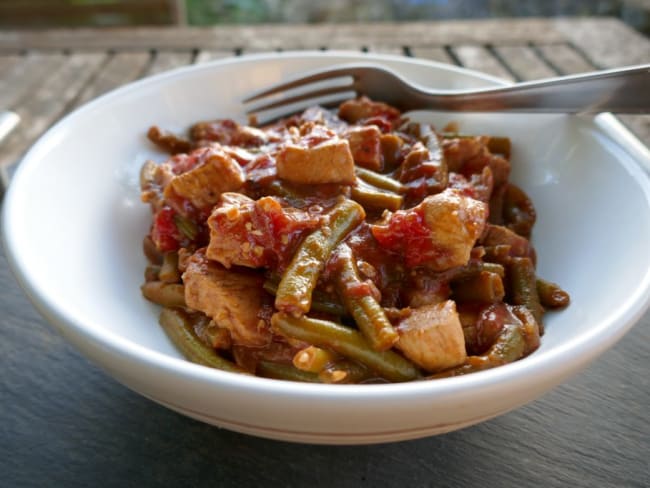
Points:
[[324, 87]]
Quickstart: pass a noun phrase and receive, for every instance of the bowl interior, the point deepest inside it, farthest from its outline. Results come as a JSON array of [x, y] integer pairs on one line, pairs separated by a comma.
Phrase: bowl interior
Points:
[[74, 223]]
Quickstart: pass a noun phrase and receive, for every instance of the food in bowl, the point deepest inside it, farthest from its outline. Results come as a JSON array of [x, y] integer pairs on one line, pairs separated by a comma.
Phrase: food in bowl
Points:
[[352, 246]]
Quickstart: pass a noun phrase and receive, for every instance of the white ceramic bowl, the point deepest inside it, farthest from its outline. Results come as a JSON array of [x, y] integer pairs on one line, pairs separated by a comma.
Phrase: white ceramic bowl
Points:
[[73, 226]]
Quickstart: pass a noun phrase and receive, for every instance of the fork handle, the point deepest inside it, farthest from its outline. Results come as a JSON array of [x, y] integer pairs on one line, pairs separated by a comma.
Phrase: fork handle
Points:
[[625, 90]]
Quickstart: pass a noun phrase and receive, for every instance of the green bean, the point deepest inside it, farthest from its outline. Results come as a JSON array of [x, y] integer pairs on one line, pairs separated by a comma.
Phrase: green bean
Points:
[[347, 342], [169, 270], [187, 227], [518, 211], [493, 268], [551, 295], [371, 197], [379, 180], [529, 328], [313, 359], [165, 294], [321, 302], [483, 287], [473, 268], [523, 286], [509, 347], [280, 189], [496, 205], [366, 311], [287, 372], [295, 289], [498, 254], [345, 371], [180, 330]]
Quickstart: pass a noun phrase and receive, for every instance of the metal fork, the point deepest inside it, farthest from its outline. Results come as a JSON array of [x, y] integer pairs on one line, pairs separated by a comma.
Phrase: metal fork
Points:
[[621, 90]]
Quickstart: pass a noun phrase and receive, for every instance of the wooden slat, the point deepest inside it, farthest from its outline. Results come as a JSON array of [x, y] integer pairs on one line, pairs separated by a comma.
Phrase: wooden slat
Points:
[[524, 62], [609, 43], [258, 50], [26, 75], [436, 53], [441, 33], [8, 61], [48, 102], [565, 58], [205, 55], [166, 60], [122, 68], [481, 59], [385, 49], [345, 43]]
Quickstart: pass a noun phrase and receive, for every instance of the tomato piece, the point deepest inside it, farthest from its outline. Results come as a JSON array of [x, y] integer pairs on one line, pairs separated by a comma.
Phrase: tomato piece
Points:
[[164, 232], [406, 233]]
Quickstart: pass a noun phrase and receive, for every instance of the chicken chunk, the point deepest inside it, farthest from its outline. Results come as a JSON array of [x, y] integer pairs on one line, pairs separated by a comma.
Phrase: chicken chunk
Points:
[[215, 173], [456, 222], [365, 145], [439, 233], [328, 162], [255, 234], [432, 337], [232, 299], [228, 233]]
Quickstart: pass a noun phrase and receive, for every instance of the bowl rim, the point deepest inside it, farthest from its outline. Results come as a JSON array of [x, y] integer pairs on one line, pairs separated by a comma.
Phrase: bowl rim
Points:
[[577, 352]]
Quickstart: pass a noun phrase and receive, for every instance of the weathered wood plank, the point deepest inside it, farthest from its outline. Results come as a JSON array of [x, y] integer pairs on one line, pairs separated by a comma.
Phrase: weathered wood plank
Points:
[[121, 68], [496, 31], [48, 102], [385, 49], [258, 49], [609, 43], [481, 59], [565, 58], [25, 75], [524, 62], [433, 53], [205, 55], [8, 61], [166, 60]]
